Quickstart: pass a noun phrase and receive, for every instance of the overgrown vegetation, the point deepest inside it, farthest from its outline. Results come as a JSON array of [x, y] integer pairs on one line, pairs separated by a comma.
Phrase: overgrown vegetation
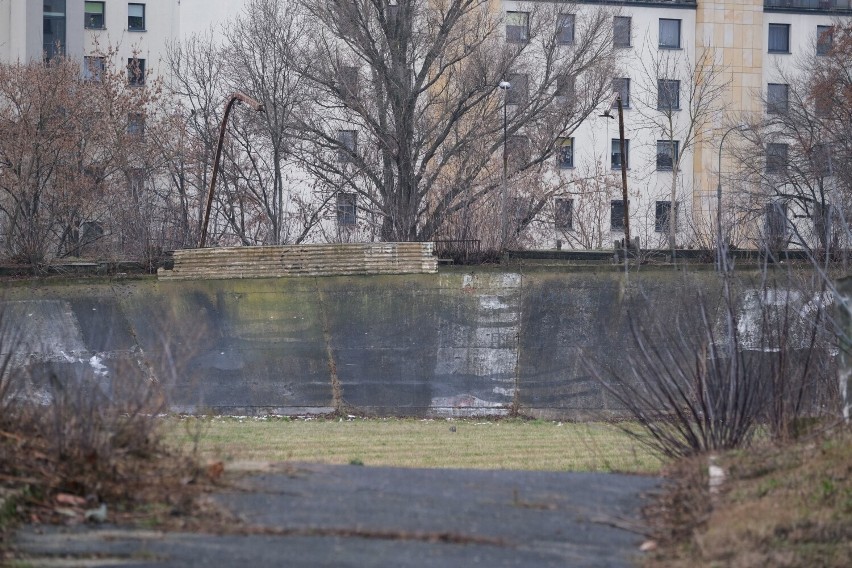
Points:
[[83, 445]]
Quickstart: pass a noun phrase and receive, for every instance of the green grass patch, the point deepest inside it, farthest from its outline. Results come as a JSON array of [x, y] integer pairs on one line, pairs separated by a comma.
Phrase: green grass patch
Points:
[[476, 444]]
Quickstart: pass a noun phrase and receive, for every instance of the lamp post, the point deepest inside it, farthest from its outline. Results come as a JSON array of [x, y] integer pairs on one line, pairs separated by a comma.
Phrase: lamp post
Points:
[[235, 98], [721, 246], [504, 86], [621, 148]]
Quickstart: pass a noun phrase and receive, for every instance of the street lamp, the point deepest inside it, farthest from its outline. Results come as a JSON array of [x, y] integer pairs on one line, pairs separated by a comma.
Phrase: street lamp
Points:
[[721, 246], [504, 86], [235, 98], [616, 99]]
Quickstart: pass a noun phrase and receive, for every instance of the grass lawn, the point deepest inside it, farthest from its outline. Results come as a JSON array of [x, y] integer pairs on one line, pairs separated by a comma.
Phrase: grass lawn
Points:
[[484, 444]]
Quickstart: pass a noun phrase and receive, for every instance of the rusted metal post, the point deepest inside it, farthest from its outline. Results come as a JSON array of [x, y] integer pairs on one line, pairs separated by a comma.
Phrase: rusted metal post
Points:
[[235, 98]]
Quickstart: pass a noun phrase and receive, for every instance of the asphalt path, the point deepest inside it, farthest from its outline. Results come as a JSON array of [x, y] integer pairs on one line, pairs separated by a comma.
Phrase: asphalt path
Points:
[[321, 515]]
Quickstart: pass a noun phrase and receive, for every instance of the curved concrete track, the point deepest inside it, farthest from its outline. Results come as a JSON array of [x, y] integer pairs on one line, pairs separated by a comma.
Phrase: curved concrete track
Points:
[[317, 515]]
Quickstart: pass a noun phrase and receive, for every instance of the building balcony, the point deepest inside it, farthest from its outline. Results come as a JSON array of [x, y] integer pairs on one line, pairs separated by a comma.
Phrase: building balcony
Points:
[[833, 6]]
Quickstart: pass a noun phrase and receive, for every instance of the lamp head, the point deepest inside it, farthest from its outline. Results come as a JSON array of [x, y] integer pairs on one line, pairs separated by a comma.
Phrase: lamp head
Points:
[[505, 85]]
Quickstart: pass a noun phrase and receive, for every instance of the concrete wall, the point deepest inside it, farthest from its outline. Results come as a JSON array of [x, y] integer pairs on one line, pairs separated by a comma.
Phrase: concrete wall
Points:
[[458, 342]]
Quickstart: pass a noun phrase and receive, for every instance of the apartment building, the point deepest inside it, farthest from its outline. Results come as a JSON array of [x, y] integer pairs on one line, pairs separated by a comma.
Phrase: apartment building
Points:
[[31, 30], [751, 44]]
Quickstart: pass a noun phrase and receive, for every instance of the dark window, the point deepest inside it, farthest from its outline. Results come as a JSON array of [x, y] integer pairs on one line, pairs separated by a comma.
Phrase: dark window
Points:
[[53, 27], [519, 92], [521, 207], [136, 17], [779, 38], [621, 85], [136, 181], [136, 124], [518, 151], [565, 29], [616, 153], [347, 77], [775, 222], [564, 213], [669, 34], [136, 72], [565, 153], [776, 158], [668, 94], [621, 31], [824, 40], [94, 15], [93, 68], [346, 209], [517, 27], [821, 159], [667, 153], [616, 214], [565, 86], [348, 145], [662, 214], [777, 98]]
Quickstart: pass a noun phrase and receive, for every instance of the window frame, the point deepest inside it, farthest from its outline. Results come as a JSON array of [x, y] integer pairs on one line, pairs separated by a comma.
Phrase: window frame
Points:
[[130, 18], [777, 158], [347, 141], [660, 43], [774, 104], [616, 214], [625, 102], [666, 145], [664, 88], [561, 38], [346, 209], [134, 78], [520, 32], [91, 72], [615, 148], [823, 47], [136, 124], [663, 214], [566, 86], [615, 36], [515, 143], [786, 28], [563, 143], [519, 92], [87, 18], [563, 214]]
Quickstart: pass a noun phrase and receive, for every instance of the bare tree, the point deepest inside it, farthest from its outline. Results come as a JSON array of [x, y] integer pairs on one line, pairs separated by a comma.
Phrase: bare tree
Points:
[[405, 110]]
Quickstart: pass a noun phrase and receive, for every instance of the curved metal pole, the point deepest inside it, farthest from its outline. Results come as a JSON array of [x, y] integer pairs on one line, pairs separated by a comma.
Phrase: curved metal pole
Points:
[[721, 247], [235, 98]]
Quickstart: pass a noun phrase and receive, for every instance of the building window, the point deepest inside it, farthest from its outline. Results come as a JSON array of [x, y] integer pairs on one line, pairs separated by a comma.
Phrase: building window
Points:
[[821, 160], [667, 154], [346, 209], [779, 38], [565, 29], [621, 85], [565, 155], [517, 151], [93, 68], [136, 181], [777, 98], [136, 124], [565, 86], [662, 214], [136, 72], [517, 27], [136, 17], [347, 141], [616, 153], [668, 94], [53, 26], [669, 34], [775, 222], [616, 215], [776, 158], [621, 31], [521, 207], [564, 213], [824, 39], [519, 92], [347, 78], [94, 16]]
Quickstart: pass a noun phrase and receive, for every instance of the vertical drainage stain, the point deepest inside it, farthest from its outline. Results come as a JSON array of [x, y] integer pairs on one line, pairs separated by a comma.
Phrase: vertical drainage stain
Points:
[[336, 389]]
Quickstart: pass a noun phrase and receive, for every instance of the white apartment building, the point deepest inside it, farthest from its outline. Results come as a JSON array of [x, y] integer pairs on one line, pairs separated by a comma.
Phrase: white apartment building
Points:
[[30, 30]]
